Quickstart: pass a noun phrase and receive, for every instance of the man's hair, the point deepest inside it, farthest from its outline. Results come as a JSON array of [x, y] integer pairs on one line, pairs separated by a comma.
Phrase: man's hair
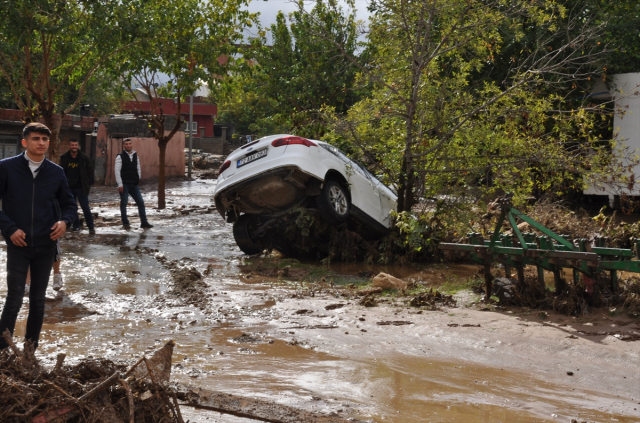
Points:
[[125, 140], [35, 127], [73, 140]]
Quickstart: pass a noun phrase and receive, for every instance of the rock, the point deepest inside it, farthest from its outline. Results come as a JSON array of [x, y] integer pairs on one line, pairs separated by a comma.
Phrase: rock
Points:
[[505, 290], [386, 281]]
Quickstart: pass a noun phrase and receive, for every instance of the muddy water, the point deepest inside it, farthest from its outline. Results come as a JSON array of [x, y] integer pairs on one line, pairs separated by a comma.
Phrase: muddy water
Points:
[[116, 303]]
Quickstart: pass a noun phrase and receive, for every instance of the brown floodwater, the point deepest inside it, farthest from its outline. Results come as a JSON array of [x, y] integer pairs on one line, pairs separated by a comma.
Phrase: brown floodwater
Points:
[[116, 304]]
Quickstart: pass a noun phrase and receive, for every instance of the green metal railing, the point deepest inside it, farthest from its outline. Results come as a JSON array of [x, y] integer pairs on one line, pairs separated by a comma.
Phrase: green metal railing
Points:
[[550, 251]]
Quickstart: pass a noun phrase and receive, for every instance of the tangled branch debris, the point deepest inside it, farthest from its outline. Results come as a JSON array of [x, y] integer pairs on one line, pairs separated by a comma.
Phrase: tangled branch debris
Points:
[[91, 391], [99, 390], [432, 300]]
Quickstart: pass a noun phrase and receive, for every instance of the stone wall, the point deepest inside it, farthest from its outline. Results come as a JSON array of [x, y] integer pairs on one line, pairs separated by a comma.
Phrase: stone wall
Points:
[[208, 145]]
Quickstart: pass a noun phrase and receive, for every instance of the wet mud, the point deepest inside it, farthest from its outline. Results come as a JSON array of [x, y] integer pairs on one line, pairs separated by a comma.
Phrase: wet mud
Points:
[[264, 332]]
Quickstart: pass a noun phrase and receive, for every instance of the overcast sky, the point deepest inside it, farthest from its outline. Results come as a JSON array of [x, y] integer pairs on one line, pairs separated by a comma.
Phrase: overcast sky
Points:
[[269, 9]]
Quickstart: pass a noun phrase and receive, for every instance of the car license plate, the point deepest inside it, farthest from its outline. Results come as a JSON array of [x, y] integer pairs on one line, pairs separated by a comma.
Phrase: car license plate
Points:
[[255, 156]]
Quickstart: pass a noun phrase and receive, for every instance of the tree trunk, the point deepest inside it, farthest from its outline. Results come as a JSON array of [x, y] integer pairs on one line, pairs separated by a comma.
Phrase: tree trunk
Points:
[[402, 186], [54, 125], [162, 145]]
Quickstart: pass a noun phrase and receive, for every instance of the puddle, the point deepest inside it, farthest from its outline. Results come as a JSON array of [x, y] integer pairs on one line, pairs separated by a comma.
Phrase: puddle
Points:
[[116, 303]]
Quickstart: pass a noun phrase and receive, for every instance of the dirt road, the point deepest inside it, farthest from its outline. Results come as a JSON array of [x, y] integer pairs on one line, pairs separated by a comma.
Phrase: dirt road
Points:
[[253, 335]]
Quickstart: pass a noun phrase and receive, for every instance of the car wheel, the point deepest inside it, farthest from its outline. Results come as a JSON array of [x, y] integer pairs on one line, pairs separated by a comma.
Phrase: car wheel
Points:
[[241, 233], [333, 203]]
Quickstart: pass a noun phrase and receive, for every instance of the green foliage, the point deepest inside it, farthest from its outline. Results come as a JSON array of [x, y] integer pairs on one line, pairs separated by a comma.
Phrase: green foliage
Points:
[[51, 49], [469, 101], [298, 74], [187, 43]]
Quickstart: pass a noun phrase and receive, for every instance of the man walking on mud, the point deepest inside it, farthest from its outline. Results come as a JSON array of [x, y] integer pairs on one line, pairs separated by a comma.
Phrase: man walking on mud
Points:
[[128, 173], [37, 209], [79, 171]]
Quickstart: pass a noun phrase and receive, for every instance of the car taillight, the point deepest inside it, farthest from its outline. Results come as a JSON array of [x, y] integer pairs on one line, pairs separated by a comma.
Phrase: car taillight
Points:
[[293, 140], [224, 167]]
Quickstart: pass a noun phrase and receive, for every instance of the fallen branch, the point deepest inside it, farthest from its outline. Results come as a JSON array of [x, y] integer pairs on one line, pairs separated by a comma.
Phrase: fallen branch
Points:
[[7, 337], [132, 411]]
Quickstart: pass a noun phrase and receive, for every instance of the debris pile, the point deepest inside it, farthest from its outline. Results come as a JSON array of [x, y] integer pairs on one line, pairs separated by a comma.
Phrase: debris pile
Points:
[[432, 300], [95, 390], [575, 299], [189, 285], [207, 161]]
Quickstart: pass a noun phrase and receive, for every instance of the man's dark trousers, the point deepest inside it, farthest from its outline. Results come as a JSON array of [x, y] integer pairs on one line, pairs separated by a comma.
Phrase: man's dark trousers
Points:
[[134, 191], [78, 194], [19, 260]]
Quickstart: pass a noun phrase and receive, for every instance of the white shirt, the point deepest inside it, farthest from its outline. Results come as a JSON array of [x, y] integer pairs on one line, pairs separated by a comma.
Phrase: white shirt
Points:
[[33, 165], [118, 167]]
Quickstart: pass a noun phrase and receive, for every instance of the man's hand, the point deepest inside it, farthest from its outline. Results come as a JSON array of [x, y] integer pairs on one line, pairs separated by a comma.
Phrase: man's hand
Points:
[[121, 189], [58, 230], [18, 238]]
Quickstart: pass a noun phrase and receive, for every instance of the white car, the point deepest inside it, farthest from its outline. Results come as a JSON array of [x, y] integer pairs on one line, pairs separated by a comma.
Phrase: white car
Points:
[[263, 181]]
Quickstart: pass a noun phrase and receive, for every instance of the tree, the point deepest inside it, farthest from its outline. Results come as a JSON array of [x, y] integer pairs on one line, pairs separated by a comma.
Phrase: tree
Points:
[[49, 46], [298, 74], [438, 119], [189, 42]]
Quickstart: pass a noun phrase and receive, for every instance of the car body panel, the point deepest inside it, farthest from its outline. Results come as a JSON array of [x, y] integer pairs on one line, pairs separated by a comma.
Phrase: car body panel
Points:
[[289, 173]]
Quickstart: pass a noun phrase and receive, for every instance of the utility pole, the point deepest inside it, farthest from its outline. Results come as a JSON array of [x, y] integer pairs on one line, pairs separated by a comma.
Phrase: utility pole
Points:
[[190, 136]]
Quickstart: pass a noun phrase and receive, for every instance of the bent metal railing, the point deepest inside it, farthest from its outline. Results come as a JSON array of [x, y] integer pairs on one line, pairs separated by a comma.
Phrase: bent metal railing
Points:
[[549, 251]]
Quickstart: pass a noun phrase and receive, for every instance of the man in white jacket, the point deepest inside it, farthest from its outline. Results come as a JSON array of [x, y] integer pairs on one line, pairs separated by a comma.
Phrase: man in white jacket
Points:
[[128, 174]]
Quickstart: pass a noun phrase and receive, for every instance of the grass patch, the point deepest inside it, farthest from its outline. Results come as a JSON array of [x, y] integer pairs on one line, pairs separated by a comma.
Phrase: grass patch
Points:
[[455, 285]]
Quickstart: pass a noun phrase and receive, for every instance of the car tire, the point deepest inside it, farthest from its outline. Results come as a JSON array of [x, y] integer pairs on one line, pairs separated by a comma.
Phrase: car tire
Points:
[[241, 233], [333, 203]]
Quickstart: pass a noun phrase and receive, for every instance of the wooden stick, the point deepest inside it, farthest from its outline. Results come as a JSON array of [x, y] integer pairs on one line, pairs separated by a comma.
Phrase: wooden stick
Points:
[[126, 375], [59, 389], [59, 361], [132, 411], [104, 385], [175, 401], [7, 337], [153, 379]]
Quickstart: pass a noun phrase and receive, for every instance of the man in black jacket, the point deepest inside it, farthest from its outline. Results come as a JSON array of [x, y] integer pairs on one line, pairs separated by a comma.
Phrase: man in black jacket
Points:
[[79, 171], [37, 209], [128, 173]]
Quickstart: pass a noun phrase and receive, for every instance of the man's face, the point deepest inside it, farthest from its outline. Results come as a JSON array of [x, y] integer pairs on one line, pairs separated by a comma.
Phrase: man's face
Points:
[[74, 147], [36, 144], [128, 145]]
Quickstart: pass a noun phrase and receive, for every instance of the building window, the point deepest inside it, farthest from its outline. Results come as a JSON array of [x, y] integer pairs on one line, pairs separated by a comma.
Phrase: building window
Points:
[[194, 126], [8, 146]]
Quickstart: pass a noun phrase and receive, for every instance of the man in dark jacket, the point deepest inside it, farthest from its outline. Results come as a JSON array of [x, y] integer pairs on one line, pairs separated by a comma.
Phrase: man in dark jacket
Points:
[[37, 209], [128, 173], [79, 171]]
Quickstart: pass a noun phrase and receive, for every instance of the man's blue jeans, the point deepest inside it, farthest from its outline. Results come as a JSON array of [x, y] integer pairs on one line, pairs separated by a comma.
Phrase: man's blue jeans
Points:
[[134, 191], [84, 204], [19, 261]]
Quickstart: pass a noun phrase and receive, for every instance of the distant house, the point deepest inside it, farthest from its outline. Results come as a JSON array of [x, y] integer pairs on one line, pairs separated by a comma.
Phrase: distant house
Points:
[[72, 126], [207, 135], [102, 145], [204, 114], [624, 89]]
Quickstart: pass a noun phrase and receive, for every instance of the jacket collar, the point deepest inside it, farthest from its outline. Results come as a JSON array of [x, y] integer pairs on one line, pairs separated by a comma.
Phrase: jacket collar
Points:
[[26, 161]]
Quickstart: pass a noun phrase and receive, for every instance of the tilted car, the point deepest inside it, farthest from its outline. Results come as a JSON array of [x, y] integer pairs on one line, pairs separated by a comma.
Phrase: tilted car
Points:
[[263, 181]]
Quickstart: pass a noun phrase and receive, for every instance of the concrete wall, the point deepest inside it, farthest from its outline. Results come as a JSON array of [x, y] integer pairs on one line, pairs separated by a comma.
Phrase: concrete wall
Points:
[[208, 145], [625, 90], [108, 147]]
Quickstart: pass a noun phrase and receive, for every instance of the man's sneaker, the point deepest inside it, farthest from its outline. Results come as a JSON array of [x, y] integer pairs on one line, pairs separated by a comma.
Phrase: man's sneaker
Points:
[[74, 229], [27, 288], [92, 231], [127, 227], [57, 281], [146, 226]]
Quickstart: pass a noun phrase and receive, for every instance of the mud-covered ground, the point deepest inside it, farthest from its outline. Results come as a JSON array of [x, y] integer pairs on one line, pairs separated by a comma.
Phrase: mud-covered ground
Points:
[[255, 327]]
